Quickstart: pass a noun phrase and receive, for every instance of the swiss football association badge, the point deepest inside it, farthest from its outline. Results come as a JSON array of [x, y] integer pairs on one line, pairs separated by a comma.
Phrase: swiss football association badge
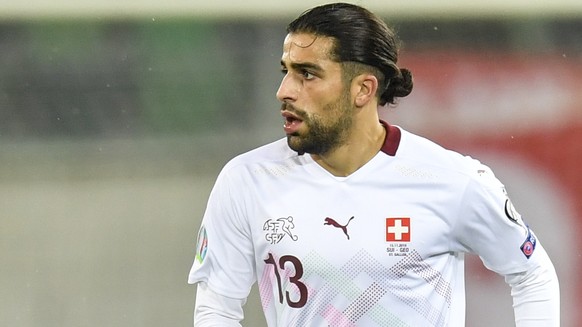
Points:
[[276, 229]]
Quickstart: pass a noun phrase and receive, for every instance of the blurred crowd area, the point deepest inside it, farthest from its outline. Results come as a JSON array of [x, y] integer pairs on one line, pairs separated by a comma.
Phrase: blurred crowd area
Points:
[[112, 133], [79, 79]]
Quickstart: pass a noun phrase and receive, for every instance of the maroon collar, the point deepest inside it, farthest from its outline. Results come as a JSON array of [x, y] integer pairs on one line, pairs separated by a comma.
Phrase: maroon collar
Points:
[[392, 140]]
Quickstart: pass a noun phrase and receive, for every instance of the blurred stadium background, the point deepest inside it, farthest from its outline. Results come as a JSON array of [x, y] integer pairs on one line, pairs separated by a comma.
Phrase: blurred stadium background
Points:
[[116, 116]]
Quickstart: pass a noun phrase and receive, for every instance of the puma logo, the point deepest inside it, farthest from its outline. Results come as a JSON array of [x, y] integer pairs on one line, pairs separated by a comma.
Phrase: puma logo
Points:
[[332, 222]]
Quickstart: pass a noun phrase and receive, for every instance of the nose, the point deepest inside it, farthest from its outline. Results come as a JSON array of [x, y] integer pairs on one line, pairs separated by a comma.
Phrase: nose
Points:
[[287, 89]]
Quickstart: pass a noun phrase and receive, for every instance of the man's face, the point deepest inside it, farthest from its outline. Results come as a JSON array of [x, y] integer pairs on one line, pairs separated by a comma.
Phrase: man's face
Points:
[[317, 105]]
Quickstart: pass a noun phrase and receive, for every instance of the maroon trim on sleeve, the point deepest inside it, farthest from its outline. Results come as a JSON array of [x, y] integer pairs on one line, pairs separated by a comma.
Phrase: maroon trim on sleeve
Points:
[[392, 141]]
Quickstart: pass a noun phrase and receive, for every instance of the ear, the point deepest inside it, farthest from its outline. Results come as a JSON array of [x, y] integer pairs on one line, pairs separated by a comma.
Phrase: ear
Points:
[[364, 87]]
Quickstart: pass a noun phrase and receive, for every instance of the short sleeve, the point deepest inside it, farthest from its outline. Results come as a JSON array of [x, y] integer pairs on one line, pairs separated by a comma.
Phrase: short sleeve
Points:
[[224, 254], [489, 226]]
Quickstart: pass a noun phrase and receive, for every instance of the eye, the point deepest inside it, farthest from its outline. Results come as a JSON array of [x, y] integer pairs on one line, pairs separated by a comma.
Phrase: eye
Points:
[[307, 75], [284, 70]]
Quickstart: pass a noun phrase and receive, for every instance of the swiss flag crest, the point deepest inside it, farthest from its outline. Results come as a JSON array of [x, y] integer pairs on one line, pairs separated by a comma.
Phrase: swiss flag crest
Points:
[[398, 230]]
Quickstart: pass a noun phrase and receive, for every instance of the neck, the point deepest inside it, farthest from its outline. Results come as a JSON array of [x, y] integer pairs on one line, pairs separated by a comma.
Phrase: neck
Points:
[[362, 145]]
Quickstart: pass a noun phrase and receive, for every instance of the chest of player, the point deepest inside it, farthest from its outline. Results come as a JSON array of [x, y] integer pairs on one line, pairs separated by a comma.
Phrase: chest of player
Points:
[[343, 223]]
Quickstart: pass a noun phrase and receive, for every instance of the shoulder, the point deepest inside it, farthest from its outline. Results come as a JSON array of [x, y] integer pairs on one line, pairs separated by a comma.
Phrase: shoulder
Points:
[[276, 152], [242, 171], [418, 150]]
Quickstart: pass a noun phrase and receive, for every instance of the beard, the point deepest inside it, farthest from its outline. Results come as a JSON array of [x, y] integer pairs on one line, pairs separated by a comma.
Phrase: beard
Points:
[[325, 132]]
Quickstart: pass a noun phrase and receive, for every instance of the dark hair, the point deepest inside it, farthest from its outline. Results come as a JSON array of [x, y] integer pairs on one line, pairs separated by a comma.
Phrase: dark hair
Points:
[[361, 37]]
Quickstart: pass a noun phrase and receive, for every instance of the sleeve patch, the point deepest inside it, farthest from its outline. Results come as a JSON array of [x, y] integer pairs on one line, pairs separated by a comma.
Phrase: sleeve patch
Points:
[[202, 245], [529, 244]]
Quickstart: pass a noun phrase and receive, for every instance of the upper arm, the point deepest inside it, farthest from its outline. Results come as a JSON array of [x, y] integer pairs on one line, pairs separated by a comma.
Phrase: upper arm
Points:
[[226, 254], [490, 227], [487, 225]]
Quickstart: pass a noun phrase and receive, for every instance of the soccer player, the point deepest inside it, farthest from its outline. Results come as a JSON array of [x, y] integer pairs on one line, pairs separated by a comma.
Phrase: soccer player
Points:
[[352, 221]]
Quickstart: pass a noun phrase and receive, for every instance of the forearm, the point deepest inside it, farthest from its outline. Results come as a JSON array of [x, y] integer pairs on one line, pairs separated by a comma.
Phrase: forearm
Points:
[[212, 309], [536, 295]]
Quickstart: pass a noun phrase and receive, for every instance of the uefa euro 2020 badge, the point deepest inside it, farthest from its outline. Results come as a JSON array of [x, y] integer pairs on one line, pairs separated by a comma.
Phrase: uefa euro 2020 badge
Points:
[[202, 245]]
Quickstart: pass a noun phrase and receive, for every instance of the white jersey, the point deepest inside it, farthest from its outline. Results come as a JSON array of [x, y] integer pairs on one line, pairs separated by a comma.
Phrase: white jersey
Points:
[[381, 247]]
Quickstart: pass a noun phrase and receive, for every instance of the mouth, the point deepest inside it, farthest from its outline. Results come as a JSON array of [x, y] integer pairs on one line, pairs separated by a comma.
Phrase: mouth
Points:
[[292, 122]]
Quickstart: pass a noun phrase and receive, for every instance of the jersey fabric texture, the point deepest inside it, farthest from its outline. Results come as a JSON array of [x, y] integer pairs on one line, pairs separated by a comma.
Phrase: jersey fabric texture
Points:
[[382, 247]]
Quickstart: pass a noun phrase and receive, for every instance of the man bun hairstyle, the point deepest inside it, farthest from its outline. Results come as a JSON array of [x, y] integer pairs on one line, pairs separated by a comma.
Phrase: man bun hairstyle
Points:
[[361, 37]]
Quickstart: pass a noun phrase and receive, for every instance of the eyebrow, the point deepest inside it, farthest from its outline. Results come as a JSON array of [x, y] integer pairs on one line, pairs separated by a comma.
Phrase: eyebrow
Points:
[[302, 66]]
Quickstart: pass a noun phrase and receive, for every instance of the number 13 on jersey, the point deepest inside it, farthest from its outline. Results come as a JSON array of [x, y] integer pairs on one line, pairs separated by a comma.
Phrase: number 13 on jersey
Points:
[[293, 279]]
